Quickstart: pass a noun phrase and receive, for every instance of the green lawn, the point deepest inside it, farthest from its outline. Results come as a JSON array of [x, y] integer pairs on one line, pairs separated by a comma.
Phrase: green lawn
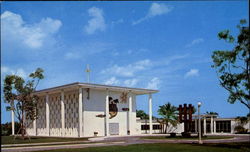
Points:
[[231, 147], [191, 138], [18, 140]]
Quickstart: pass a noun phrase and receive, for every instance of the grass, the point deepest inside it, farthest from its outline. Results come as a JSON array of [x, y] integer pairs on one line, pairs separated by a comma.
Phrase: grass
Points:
[[166, 147], [191, 138], [9, 140]]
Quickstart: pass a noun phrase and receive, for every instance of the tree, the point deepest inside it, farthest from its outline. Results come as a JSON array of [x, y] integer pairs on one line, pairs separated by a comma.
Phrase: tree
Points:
[[248, 115], [233, 66], [212, 113], [6, 129], [241, 122], [141, 114], [169, 115], [19, 95], [194, 110]]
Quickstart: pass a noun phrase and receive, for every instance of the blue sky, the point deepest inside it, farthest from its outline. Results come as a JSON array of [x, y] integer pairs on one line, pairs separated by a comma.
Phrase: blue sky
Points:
[[158, 45]]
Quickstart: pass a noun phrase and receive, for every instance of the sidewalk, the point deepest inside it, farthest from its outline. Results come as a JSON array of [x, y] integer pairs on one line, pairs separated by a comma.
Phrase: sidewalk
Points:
[[111, 141], [50, 143]]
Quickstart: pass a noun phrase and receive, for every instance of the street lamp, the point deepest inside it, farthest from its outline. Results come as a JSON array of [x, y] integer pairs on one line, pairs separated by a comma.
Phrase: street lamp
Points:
[[199, 105]]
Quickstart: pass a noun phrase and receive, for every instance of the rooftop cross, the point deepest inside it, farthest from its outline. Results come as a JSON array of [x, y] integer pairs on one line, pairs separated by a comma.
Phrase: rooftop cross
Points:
[[88, 72]]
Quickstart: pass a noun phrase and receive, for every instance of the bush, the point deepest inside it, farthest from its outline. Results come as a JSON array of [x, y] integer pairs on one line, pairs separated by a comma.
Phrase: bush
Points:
[[6, 129], [240, 129], [172, 134], [186, 134]]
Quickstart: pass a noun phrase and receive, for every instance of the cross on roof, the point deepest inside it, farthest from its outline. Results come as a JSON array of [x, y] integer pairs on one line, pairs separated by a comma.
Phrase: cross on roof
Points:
[[88, 72]]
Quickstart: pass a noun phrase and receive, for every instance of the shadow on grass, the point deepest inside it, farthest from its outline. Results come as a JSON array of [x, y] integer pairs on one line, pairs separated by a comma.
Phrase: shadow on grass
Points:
[[238, 145], [187, 138]]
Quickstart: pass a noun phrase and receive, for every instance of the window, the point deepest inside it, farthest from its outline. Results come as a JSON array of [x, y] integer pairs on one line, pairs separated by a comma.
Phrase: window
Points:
[[144, 127], [156, 127], [208, 126], [223, 126]]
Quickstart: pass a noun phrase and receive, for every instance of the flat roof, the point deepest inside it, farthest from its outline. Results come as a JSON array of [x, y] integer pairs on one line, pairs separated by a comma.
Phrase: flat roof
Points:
[[138, 91]]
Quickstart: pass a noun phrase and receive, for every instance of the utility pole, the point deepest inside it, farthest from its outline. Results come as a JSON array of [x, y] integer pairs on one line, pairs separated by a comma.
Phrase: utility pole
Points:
[[87, 72]]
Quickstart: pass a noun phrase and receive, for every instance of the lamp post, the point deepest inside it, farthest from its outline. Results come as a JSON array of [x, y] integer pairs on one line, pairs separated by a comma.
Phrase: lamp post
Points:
[[199, 105]]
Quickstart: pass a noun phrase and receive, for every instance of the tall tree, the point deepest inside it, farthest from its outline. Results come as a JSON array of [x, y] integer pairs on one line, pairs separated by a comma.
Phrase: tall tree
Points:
[[233, 66], [169, 115], [19, 95]]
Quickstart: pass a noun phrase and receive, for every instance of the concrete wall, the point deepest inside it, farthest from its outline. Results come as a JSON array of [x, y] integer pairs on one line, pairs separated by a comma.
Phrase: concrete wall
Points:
[[96, 105], [55, 126], [93, 106], [178, 129]]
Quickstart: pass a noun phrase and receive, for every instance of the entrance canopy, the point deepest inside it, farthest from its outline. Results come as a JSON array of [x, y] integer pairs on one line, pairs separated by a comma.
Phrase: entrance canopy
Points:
[[137, 91]]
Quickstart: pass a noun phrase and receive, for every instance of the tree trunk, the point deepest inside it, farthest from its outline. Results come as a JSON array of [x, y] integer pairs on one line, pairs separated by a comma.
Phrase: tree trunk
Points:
[[162, 128], [22, 125], [166, 127]]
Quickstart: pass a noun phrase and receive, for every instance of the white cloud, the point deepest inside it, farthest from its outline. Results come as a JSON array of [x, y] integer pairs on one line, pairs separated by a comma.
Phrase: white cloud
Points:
[[16, 30], [129, 70], [97, 22], [117, 21], [72, 55], [169, 60], [156, 9], [112, 81], [153, 83], [137, 51], [130, 82], [194, 42], [192, 73], [20, 72], [85, 50]]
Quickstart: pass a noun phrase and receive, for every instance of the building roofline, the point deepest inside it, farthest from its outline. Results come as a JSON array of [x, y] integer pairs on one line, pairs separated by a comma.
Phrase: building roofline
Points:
[[98, 86]]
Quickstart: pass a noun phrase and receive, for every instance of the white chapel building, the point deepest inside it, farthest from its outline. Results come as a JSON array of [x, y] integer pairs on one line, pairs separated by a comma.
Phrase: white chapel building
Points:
[[85, 109]]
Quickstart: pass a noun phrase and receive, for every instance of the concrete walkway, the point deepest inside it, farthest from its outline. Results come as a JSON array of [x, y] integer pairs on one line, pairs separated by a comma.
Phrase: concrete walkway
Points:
[[119, 140]]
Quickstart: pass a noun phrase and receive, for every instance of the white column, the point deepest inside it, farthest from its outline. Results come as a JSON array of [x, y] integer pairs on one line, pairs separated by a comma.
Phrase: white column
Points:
[[212, 125], [150, 112], [47, 114], [107, 114], [195, 125], [205, 125], [13, 119], [62, 113], [80, 112], [130, 112]]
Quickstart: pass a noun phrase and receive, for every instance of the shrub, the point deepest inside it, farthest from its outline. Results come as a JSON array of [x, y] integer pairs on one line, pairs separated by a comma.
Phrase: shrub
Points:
[[6, 129], [172, 134], [240, 129], [186, 134]]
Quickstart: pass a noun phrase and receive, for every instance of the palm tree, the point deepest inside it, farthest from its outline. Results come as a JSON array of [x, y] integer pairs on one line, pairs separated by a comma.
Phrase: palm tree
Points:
[[169, 115], [212, 113], [141, 114]]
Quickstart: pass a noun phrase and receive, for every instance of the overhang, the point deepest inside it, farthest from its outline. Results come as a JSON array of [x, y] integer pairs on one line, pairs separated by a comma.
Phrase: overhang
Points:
[[137, 91]]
